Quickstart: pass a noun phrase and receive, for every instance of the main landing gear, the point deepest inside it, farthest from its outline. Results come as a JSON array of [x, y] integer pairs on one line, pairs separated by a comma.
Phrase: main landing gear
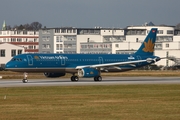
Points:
[[76, 78], [98, 78]]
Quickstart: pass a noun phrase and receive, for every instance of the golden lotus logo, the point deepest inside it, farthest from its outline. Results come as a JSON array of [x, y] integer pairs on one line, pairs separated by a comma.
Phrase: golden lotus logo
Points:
[[91, 72], [149, 46], [36, 57]]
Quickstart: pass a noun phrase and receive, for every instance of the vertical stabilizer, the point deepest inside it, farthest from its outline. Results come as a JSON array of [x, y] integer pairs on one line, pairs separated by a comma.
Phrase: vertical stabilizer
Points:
[[147, 47]]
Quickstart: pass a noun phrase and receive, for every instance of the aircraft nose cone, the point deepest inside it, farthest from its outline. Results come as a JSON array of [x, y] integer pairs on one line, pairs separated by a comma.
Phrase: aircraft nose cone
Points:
[[7, 65]]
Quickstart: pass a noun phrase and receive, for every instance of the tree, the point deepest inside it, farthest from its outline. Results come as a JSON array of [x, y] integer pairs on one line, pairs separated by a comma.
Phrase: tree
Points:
[[15, 27], [21, 27], [32, 26], [27, 27], [8, 27], [177, 26], [36, 25]]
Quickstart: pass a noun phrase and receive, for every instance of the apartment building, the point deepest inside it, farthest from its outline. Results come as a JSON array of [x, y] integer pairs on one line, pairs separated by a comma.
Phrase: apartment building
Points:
[[58, 40], [27, 39]]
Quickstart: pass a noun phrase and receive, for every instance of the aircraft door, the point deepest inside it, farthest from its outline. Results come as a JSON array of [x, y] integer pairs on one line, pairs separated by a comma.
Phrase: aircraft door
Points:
[[62, 61], [139, 58], [100, 60], [30, 60]]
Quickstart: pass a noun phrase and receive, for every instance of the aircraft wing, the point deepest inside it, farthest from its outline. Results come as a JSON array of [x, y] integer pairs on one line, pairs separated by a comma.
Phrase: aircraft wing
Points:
[[114, 64]]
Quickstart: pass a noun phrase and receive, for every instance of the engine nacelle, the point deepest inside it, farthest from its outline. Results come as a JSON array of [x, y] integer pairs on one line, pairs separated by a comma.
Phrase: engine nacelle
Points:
[[88, 72], [54, 75]]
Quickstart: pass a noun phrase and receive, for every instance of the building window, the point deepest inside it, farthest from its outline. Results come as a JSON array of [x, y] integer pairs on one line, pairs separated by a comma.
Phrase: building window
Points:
[[160, 32], [2, 53], [13, 53], [69, 46], [19, 52], [57, 30], [57, 46], [45, 31], [13, 39], [57, 38], [69, 31], [19, 39], [167, 45], [137, 40], [74, 30], [24, 32], [46, 46], [18, 32], [117, 45], [61, 46], [45, 38], [35, 39], [170, 32], [30, 47], [63, 30]]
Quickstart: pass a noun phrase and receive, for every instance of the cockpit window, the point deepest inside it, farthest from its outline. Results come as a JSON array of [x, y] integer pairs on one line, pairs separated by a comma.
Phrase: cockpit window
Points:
[[16, 59]]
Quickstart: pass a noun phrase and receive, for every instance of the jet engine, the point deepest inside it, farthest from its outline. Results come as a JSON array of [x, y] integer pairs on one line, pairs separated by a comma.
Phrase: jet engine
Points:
[[54, 75], [88, 72]]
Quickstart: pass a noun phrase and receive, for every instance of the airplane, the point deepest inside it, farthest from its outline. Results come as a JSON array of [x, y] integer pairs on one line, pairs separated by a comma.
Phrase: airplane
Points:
[[85, 65]]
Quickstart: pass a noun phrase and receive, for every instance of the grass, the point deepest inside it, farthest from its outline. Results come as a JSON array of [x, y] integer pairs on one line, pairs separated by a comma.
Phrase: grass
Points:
[[17, 75], [115, 102]]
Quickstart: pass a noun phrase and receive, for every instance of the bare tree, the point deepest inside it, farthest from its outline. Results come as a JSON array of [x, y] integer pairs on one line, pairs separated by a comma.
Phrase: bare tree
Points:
[[32, 26], [36, 25], [15, 27], [21, 27], [177, 26], [8, 27], [28, 27]]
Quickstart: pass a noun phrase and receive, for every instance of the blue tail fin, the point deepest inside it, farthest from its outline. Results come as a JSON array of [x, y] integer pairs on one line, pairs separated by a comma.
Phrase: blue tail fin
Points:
[[147, 47]]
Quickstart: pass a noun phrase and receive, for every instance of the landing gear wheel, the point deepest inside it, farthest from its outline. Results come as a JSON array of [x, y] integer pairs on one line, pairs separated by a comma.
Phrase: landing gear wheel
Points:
[[74, 78], [24, 80], [98, 78], [95, 78]]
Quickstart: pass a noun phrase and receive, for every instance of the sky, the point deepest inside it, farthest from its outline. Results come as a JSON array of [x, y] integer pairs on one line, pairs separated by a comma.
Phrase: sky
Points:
[[90, 13]]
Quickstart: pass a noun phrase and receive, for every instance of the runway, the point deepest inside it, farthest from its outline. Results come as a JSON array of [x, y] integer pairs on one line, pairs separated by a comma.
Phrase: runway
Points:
[[90, 81]]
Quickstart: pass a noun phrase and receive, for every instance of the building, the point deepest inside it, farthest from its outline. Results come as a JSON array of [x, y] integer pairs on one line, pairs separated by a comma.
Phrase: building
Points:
[[110, 41], [25, 38], [58, 40], [69, 39], [96, 40], [167, 43], [7, 51]]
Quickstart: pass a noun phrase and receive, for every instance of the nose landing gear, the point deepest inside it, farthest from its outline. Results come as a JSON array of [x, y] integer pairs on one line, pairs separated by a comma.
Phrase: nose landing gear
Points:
[[25, 80]]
